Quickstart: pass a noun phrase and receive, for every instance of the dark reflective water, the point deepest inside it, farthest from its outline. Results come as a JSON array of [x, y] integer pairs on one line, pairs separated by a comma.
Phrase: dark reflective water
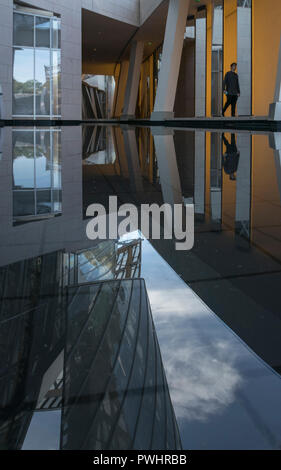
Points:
[[80, 319]]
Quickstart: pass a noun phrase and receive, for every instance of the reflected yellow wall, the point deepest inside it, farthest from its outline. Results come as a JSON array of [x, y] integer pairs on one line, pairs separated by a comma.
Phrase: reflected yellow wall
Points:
[[266, 211], [230, 37], [209, 58], [266, 38]]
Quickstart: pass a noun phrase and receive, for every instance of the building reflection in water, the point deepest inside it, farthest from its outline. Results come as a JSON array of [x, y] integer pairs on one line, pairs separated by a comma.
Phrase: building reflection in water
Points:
[[108, 260], [116, 394], [79, 352], [36, 174], [113, 392]]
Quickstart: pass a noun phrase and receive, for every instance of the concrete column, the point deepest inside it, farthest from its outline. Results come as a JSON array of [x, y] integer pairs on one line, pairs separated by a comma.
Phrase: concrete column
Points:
[[171, 58], [132, 85], [167, 165], [275, 108], [120, 91], [200, 66]]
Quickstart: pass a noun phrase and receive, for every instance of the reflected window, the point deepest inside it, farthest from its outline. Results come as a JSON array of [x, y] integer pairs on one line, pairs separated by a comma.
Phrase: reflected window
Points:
[[36, 174], [42, 82], [43, 31], [36, 64], [23, 30]]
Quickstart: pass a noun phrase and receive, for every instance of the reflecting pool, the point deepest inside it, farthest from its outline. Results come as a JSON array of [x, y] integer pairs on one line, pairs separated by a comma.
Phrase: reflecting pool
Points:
[[126, 342]]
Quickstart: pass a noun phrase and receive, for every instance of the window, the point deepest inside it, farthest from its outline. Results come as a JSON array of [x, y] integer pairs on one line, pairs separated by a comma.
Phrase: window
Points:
[[36, 174], [36, 65]]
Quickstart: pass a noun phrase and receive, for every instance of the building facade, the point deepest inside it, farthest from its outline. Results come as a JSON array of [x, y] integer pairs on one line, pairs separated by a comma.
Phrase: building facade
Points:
[[47, 48]]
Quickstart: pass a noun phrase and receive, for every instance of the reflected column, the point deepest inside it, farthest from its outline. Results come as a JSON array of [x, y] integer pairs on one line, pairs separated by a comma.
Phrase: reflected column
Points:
[[216, 181], [199, 175], [167, 165], [243, 189], [275, 143], [132, 156]]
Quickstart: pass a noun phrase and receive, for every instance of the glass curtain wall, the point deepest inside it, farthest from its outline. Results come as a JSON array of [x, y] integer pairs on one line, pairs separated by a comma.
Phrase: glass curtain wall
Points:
[[36, 174], [36, 64]]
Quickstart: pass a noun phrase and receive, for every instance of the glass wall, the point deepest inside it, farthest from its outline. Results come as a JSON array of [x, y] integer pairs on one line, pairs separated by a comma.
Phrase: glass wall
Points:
[[36, 65], [36, 174]]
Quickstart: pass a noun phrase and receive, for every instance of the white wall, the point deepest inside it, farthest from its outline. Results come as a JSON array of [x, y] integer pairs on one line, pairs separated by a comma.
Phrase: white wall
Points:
[[147, 7], [122, 10]]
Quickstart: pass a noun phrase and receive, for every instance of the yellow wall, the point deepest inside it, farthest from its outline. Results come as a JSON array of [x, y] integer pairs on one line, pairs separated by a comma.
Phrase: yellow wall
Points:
[[266, 211], [266, 39], [230, 37]]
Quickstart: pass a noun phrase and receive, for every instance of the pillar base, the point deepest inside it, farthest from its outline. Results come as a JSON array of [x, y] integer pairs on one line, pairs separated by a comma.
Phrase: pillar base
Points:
[[161, 115], [275, 111]]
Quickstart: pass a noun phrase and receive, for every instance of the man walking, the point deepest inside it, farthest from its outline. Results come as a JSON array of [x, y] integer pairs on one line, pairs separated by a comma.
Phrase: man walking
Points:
[[231, 88]]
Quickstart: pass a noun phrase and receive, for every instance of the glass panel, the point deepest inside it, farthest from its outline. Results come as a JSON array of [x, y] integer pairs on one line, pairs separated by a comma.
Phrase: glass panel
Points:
[[23, 203], [56, 34], [43, 160], [56, 76], [42, 33], [56, 194], [23, 82], [44, 201], [23, 160], [56, 160], [23, 30], [42, 80]]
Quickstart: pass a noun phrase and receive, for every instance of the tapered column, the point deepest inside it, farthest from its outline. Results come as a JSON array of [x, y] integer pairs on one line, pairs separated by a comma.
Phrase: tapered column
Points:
[[275, 108], [171, 57], [132, 85], [216, 181], [167, 165], [121, 87]]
